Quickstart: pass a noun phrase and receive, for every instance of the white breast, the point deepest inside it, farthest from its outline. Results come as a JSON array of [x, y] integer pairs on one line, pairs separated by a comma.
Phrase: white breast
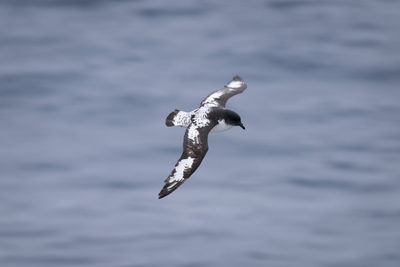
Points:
[[221, 126]]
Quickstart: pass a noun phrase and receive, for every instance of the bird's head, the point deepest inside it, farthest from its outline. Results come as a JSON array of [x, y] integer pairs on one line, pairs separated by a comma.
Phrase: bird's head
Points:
[[233, 118]]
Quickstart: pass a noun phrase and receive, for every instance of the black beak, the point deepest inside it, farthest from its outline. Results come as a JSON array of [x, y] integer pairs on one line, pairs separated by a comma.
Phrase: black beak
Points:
[[241, 125]]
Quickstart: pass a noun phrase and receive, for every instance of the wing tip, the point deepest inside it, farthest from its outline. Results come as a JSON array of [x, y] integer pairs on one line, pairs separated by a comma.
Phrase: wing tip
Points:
[[237, 83], [169, 187], [166, 191], [237, 78], [160, 195]]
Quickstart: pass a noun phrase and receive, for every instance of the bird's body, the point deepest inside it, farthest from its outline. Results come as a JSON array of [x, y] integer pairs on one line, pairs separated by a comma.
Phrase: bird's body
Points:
[[222, 126], [210, 116]]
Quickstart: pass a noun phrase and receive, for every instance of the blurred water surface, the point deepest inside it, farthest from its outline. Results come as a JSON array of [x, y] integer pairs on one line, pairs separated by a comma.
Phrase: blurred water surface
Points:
[[85, 87]]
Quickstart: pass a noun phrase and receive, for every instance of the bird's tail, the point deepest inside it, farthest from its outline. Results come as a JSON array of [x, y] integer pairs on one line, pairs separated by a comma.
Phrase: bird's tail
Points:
[[178, 118]]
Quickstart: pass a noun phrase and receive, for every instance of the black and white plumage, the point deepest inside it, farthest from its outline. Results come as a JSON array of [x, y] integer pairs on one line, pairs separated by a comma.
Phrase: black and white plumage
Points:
[[210, 116]]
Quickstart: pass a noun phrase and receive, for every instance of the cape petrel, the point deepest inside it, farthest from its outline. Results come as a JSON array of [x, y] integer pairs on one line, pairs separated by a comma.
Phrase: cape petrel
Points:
[[210, 116]]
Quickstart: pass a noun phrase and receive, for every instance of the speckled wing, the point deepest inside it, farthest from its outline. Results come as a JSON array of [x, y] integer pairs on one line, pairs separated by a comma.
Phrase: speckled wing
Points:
[[219, 98], [195, 147]]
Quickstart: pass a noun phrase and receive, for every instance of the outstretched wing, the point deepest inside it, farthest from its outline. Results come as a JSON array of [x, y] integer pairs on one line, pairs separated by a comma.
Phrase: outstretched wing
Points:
[[195, 147], [218, 98]]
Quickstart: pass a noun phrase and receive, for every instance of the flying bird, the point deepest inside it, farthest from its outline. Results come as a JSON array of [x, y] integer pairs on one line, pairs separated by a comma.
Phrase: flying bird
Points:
[[210, 116]]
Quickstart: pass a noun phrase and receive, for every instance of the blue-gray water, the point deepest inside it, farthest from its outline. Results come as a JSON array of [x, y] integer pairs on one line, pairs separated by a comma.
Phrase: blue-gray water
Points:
[[85, 87]]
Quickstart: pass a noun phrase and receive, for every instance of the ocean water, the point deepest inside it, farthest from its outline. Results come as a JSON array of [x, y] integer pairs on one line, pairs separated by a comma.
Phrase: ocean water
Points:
[[85, 87]]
